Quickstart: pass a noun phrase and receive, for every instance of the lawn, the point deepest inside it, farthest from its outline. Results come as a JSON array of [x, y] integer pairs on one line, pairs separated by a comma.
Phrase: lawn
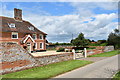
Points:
[[106, 54], [48, 71], [117, 76]]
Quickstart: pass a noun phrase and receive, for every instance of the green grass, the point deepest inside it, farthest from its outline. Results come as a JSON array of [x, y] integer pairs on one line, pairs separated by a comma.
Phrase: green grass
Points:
[[48, 71], [106, 54], [117, 75]]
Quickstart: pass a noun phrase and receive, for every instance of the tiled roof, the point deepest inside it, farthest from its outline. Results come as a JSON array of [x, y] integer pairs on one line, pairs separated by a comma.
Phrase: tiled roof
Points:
[[20, 26]]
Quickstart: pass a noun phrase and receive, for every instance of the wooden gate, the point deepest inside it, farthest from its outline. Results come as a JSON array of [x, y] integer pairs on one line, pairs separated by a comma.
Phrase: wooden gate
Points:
[[79, 54]]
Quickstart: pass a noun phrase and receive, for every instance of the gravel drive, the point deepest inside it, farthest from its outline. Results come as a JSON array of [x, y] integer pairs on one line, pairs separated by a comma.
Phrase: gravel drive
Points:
[[105, 68]]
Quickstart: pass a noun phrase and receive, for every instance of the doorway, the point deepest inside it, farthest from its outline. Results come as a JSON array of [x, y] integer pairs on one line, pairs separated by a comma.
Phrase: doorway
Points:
[[29, 47]]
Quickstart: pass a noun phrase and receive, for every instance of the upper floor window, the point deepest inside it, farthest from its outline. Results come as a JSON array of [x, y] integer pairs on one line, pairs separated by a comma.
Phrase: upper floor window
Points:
[[34, 36], [11, 25], [31, 28], [14, 35], [41, 36]]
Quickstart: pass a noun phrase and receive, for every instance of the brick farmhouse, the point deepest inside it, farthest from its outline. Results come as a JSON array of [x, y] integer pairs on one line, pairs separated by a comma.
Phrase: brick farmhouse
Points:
[[22, 32]]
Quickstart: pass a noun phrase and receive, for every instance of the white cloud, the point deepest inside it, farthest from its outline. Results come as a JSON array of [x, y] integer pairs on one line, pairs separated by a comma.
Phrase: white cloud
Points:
[[61, 28]]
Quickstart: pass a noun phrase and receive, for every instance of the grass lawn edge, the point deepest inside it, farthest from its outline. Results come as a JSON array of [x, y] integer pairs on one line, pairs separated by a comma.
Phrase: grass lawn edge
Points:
[[106, 54], [116, 75], [74, 69]]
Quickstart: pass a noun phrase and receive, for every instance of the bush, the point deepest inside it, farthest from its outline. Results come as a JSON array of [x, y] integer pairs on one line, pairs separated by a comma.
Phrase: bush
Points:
[[66, 50], [61, 50], [91, 48]]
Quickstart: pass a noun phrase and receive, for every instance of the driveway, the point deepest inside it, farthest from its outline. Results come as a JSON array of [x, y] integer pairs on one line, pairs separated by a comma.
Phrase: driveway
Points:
[[105, 68]]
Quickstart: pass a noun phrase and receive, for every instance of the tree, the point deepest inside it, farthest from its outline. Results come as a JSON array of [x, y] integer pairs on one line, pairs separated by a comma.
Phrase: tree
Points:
[[114, 38], [101, 41], [80, 41], [92, 41]]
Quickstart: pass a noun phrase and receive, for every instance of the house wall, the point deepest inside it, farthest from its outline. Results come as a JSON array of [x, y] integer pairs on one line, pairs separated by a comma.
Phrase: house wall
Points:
[[6, 37], [15, 58]]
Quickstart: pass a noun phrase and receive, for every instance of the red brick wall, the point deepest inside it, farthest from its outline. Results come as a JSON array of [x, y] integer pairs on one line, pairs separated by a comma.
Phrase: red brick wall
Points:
[[18, 63], [94, 51], [6, 37]]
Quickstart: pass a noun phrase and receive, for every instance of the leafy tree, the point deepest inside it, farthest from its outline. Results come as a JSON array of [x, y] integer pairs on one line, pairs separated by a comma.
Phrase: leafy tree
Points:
[[80, 41], [92, 41], [114, 38], [89, 40]]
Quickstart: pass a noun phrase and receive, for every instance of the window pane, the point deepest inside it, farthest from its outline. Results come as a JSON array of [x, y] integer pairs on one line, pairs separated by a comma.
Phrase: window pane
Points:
[[14, 36], [41, 36], [40, 45], [34, 36]]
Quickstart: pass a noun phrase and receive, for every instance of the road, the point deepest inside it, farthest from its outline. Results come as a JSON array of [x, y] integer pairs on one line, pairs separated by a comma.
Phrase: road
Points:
[[105, 68]]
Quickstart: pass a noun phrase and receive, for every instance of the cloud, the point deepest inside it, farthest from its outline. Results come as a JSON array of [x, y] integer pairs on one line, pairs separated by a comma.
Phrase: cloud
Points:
[[88, 9], [61, 28], [93, 5]]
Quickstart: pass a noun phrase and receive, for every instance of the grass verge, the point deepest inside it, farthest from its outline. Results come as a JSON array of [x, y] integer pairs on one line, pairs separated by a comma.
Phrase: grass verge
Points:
[[117, 76], [106, 54], [48, 71]]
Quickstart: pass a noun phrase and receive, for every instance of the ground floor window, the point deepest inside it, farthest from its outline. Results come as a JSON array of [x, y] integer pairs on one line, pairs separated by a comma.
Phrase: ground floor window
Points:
[[35, 45], [41, 45]]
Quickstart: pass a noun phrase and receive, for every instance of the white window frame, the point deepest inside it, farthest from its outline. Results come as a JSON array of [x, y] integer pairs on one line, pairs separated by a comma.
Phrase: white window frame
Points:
[[11, 25], [35, 45], [42, 45], [31, 28], [41, 35], [35, 36], [14, 33]]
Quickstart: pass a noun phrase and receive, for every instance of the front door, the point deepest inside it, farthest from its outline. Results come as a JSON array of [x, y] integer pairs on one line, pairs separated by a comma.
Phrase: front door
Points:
[[29, 47]]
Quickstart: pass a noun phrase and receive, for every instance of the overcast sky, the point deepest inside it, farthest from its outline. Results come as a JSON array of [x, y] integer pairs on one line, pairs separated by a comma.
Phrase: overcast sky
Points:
[[62, 19]]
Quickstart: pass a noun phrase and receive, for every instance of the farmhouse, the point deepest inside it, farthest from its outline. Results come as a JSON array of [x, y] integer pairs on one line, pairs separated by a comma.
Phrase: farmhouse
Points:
[[17, 30]]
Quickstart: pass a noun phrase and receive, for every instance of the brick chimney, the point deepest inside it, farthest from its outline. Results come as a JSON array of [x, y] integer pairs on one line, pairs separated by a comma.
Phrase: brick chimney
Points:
[[17, 14]]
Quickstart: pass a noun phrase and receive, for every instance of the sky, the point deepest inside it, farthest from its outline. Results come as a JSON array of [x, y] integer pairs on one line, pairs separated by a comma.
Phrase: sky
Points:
[[96, 20]]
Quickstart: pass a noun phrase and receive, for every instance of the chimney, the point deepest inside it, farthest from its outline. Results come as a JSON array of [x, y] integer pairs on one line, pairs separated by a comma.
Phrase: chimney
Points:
[[17, 14]]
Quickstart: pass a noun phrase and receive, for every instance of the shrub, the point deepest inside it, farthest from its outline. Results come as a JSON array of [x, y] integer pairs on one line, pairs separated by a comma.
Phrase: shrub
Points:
[[66, 50], [61, 50], [91, 48]]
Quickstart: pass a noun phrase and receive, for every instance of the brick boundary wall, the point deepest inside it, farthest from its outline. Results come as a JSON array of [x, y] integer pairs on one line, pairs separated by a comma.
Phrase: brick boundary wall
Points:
[[99, 49], [15, 58]]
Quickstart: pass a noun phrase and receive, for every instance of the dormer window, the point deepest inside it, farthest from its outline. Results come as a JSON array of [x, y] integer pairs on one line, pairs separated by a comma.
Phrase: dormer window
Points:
[[11, 25], [31, 28]]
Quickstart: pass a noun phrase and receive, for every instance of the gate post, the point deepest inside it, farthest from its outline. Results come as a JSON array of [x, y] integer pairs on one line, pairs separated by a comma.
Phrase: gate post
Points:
[[74, 55], [85, 53]]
